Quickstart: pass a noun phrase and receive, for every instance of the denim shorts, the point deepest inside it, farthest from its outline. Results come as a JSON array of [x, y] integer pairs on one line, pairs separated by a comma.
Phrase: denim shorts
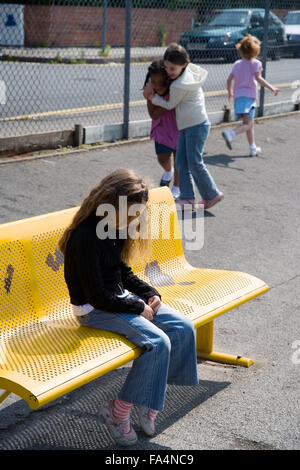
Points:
[[244, 105], [161, 148]]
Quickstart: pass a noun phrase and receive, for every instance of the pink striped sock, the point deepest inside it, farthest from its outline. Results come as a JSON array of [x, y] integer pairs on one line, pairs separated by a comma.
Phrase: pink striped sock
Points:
[[121, 410], [152, 413]]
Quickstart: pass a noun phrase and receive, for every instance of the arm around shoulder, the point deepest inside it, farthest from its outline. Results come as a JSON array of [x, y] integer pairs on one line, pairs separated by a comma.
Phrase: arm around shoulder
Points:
[[175, 97]]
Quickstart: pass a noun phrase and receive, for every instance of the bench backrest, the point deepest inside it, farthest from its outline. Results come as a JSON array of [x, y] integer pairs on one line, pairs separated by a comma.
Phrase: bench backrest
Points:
[[31, 268]]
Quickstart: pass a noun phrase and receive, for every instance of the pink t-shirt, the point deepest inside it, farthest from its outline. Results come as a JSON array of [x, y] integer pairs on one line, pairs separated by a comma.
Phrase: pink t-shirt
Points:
[[164, 129], [244, 79]]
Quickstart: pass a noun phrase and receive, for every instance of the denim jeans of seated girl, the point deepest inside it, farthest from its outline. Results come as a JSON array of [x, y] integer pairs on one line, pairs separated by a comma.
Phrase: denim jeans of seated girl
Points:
[[169, 355]]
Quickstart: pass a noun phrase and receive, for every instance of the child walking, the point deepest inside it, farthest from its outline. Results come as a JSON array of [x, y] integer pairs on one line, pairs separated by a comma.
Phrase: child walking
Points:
[[106, 294], [245, 74], [164, 129], [186, 96]]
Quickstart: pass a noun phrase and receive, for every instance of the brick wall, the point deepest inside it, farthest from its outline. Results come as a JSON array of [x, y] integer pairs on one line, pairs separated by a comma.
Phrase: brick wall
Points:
[[82, 26]]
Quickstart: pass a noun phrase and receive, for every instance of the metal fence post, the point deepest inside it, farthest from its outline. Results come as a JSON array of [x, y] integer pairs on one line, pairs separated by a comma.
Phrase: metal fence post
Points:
[[127, 70], [104, 21], [264, 57]]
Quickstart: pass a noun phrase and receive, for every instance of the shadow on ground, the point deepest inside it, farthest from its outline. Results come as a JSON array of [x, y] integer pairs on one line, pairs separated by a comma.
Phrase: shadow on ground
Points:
[[225, 161], [71, 422]]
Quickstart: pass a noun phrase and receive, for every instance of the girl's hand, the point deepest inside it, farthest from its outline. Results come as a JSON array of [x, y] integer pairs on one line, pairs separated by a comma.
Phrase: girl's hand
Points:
[[154, 302], [276, 91], [148, 91], [230, 97], [147, 313], [149, 95]]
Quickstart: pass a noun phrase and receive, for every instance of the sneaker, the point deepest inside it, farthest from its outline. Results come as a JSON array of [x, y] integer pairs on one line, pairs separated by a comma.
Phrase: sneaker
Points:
[[164, 182], [117, 428], [254, 152], [212, 202], [228, 138], [147, 423], [167, 178], [175, 191]]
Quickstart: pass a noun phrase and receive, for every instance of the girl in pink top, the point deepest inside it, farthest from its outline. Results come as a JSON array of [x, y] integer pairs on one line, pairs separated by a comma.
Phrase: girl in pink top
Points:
[[245, 74], [164, 129]]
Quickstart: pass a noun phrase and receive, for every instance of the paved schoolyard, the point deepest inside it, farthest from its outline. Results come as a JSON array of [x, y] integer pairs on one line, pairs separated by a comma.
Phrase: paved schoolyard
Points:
[[255, 229]]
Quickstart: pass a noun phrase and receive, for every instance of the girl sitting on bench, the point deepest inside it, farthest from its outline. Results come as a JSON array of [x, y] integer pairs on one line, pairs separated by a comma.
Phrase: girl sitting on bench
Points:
[[106, 294]]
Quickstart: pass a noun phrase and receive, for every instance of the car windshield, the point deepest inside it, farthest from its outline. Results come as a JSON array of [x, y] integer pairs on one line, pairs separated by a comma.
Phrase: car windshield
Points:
[[292, 18], [229, 18]]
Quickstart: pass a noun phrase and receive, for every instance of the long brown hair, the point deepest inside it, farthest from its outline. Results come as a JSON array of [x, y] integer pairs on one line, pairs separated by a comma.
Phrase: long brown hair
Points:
[[121, 182]]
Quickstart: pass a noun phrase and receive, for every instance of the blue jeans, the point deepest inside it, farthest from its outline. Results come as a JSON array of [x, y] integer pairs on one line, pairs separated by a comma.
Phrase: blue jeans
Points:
[[169, 354], [190, 165]]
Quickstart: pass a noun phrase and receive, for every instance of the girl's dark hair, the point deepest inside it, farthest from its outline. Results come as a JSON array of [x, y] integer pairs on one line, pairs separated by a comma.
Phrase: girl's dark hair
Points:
[[156, 67], [176, 54]]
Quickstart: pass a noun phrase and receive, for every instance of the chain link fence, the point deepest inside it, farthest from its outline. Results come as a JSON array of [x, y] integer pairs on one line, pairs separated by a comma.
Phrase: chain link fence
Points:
[[84, 62]]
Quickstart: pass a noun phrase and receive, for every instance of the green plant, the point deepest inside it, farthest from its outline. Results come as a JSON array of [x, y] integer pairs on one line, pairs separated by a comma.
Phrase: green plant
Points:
[[58, 59], [82, 58], [104, 52], [162, 34]]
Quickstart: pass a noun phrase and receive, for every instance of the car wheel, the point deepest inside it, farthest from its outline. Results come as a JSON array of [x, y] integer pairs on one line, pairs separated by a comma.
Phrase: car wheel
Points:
[[192, 56], [276, 53]]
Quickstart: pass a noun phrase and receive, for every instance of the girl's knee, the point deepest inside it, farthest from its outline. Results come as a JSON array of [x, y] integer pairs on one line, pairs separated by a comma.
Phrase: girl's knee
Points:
[[248, 122], [189, 329], [198, 166], [185, 327], [162, 342]]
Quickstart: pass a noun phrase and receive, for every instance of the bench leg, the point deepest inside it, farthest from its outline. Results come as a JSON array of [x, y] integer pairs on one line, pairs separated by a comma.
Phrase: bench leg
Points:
[[204, 346], [4, 395]]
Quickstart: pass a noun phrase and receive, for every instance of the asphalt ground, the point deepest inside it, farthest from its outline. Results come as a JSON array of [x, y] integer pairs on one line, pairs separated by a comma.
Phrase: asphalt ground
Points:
[[254, 229]]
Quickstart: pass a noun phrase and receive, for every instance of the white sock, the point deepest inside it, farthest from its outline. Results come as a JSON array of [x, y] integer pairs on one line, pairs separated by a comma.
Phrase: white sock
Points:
[[175, 191], [168, 175], [252, 146]]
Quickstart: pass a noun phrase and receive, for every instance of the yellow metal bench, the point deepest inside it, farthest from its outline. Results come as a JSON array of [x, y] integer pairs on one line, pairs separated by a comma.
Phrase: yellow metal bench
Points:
[[45, 353]]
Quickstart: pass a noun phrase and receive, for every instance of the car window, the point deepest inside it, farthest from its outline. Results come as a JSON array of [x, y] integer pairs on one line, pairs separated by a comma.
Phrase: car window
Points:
[[257, 19], [292, 18], [271, 21], [274, 19], [230, 18]]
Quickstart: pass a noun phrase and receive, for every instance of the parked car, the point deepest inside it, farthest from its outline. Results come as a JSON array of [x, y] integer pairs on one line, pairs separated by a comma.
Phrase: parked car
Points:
[[292, 29], [217, 36]]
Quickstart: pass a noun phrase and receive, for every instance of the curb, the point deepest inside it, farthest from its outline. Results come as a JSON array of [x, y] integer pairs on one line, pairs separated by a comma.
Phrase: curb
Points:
[[136, 140], [68, 61]]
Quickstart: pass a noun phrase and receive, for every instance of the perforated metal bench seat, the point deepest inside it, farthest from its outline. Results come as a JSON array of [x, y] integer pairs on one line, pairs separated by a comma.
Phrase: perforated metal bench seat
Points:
[[45, 353]]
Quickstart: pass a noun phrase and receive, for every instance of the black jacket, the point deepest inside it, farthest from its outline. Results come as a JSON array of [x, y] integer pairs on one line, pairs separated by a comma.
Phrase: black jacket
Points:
[[95, 273]]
